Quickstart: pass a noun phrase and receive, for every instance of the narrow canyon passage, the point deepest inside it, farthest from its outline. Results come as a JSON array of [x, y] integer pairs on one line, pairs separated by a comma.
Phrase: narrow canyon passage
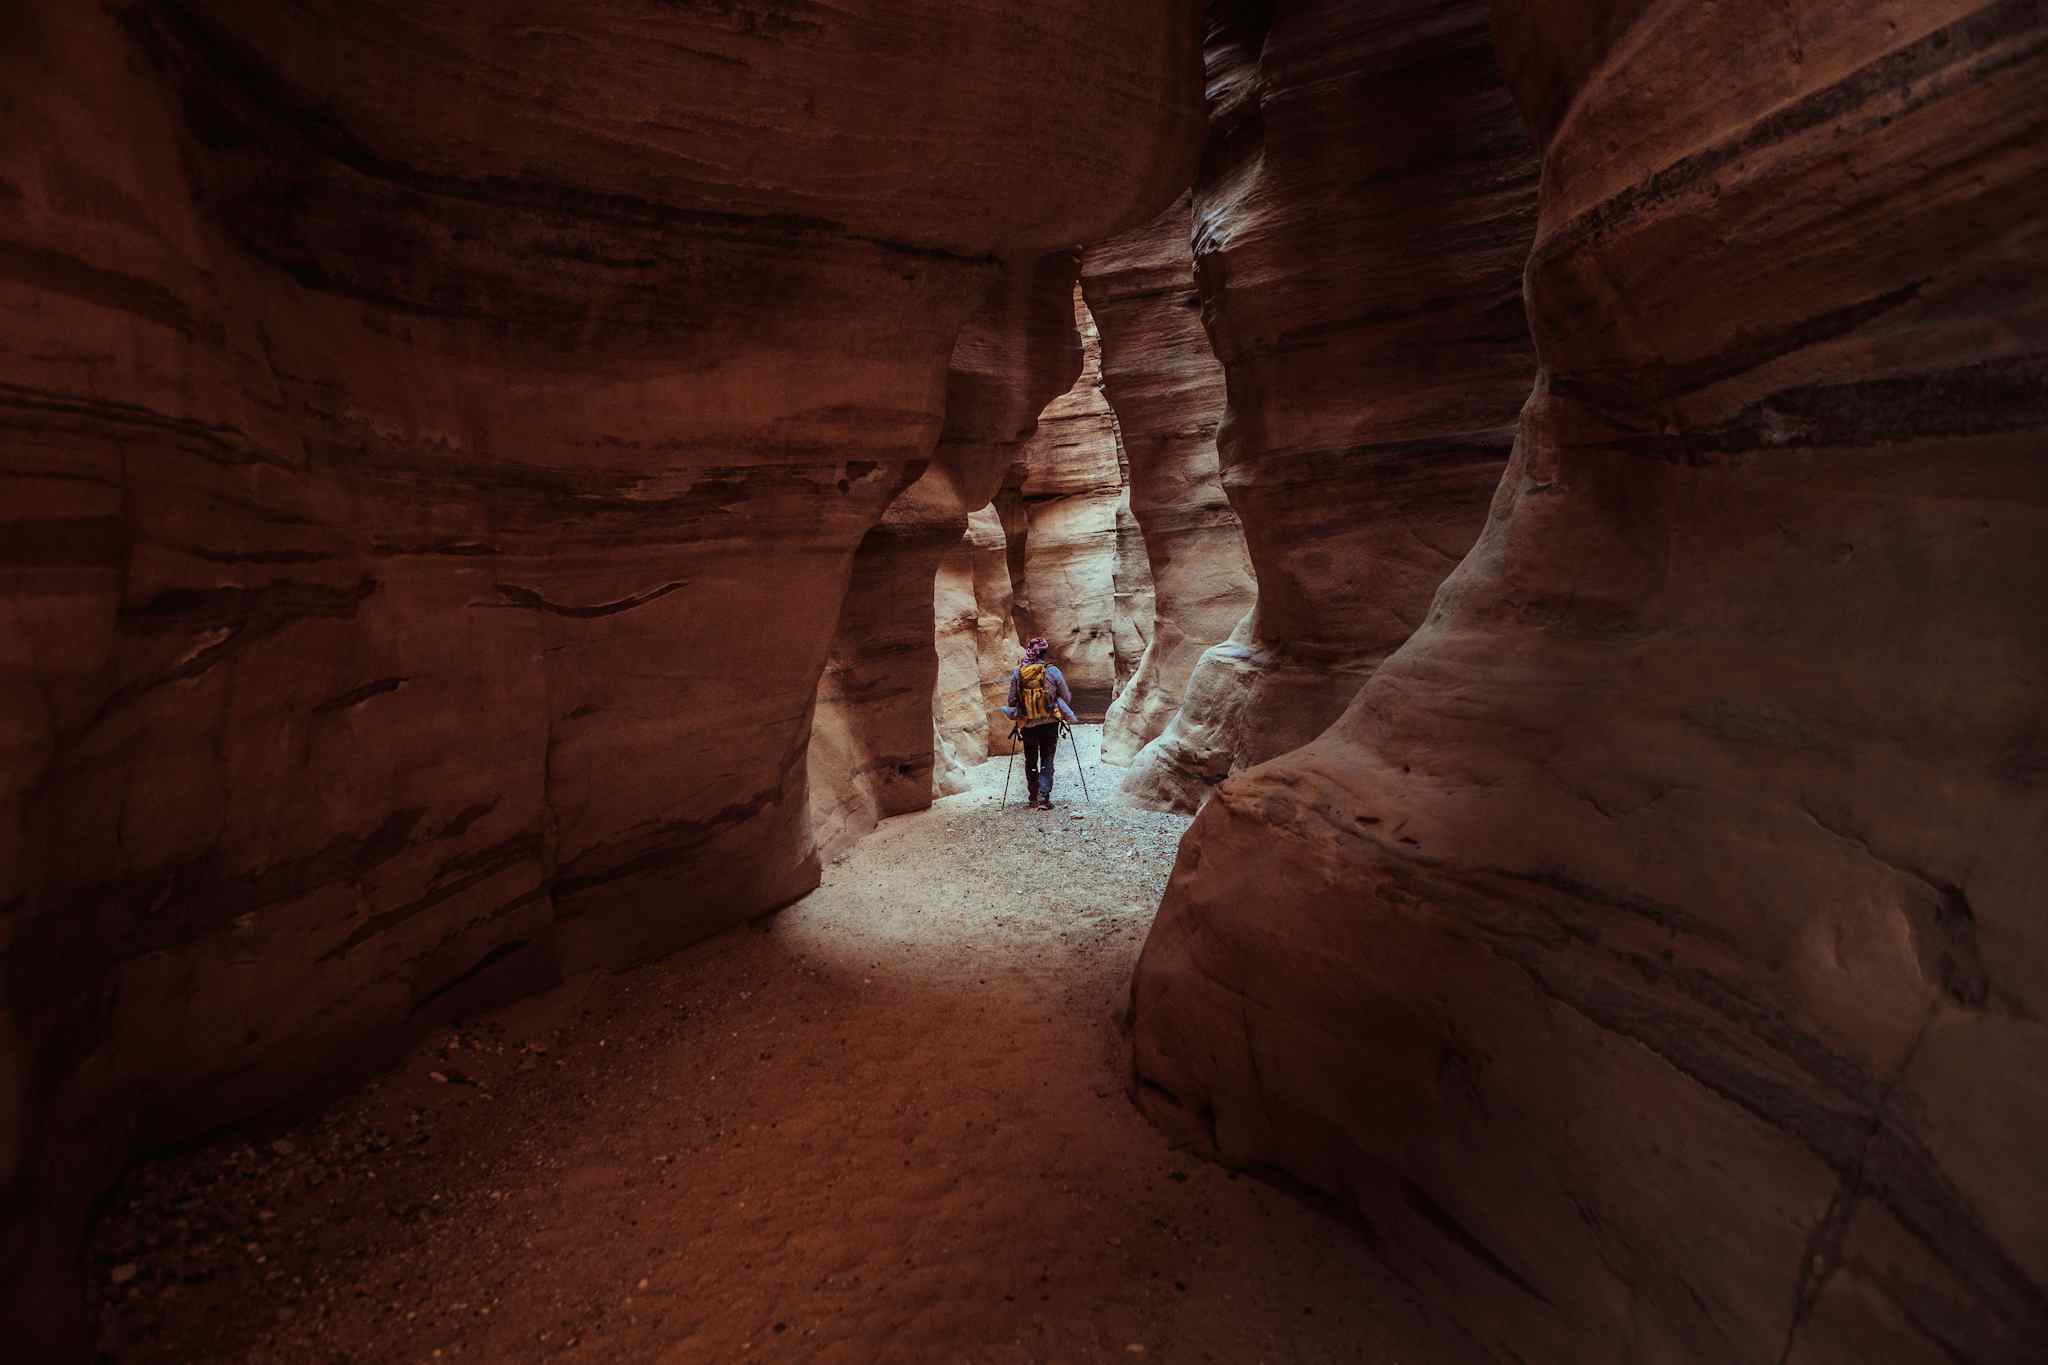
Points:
[[518, 520], [886, 1124]]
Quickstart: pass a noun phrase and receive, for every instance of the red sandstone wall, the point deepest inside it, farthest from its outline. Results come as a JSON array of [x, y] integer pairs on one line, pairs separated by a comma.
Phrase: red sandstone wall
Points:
[[1364, 207], [1168, 391], [438, 439], [1653, 951], [873, 751], [1058, 507]]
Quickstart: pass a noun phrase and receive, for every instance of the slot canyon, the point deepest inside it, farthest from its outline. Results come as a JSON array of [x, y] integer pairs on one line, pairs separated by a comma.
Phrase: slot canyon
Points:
[[519, 521]]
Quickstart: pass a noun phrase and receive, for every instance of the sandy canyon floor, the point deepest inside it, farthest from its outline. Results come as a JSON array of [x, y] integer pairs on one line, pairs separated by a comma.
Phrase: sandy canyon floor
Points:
[[886, 1124]]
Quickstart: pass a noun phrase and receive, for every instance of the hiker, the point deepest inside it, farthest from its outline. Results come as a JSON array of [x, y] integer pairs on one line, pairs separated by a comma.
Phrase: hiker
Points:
[[1038, 700]]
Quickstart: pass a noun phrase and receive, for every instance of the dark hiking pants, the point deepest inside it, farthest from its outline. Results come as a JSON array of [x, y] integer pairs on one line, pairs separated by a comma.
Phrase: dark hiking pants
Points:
[[1040, 743]]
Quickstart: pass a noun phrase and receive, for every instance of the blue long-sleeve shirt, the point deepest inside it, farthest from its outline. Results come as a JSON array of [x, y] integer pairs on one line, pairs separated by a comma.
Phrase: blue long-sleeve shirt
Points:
[[1056, 680]]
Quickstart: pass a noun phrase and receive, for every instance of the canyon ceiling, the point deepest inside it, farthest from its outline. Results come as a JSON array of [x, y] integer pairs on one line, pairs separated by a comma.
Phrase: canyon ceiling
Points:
[[1558, 485]]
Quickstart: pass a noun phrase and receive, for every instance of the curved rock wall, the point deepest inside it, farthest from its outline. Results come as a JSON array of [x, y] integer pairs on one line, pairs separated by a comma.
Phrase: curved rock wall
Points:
[[870, 753], [1364, 208], [1653, 952], [960, 728], [1058, 508], [875, 747], [438, 443], [1167, 389], [1135, 610], [995, 637]]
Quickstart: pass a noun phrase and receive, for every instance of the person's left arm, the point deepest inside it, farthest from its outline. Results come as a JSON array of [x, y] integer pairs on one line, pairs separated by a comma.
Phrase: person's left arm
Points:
[[1064, 697]]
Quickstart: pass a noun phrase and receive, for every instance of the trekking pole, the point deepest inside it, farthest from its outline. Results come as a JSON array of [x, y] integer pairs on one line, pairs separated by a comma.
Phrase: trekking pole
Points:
[[1009, 767], [1078, 769]]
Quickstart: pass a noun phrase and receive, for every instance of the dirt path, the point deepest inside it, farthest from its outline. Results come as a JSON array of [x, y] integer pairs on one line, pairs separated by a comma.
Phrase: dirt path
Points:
[[887, 1124]]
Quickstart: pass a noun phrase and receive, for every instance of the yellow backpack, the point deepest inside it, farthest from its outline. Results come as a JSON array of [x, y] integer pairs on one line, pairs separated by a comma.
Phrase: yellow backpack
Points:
[[1037, 694]]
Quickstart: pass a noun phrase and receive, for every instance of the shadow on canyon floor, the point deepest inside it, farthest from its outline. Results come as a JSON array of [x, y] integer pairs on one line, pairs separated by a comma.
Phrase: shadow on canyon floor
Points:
[[888, 1123]]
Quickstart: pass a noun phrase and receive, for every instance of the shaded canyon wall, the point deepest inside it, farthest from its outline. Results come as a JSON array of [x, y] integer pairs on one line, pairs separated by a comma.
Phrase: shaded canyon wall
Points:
[[1059, 511], [1135, 602], [995, 638], [1167, 391], [976, 646], [1653, 952], [1361, 218], [875, 748], [437, 443]]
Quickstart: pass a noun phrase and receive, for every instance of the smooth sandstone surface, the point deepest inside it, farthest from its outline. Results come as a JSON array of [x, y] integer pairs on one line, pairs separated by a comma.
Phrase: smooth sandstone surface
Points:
[[1058, 508], [996, 646], [1167, 390], [1360, 223], [876, 747], [438, 443], [1134, 612], [961, 730], [1653, 953]]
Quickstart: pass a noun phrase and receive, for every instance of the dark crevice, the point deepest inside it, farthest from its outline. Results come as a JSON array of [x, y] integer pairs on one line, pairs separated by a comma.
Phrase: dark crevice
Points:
[[452, 879], [1440, 1218], [677, 843], [356, 696], [531, 600], [482, 965]]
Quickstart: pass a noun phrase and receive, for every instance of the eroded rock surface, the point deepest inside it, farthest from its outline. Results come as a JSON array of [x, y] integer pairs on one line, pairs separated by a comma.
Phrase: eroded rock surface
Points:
[[1653, 952], [995, 639], [1058, 509], [875, 745], [960, 726], [1366, 201], [1133, 615], [1167, 389], [438, 442]]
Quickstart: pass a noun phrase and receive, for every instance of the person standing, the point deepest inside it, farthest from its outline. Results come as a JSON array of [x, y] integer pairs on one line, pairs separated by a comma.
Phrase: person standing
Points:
[[1039, 700]]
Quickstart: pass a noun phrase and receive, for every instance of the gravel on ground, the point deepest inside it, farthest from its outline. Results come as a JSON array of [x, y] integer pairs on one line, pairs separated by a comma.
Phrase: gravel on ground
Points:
[[886, 1124]]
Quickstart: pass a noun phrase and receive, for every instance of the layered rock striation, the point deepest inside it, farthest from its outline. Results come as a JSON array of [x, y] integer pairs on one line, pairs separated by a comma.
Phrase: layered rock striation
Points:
[[1360, 223], [1653, 951], [438, 446], [1167, 390]]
